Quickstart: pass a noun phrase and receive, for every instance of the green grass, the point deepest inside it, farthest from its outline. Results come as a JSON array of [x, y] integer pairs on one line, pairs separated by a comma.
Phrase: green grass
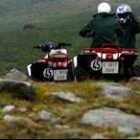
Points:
[[71, 113], [16, 47]]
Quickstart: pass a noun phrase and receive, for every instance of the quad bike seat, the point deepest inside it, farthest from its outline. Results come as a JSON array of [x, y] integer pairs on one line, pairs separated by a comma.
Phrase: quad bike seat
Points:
[[59, 50], [53, 51]]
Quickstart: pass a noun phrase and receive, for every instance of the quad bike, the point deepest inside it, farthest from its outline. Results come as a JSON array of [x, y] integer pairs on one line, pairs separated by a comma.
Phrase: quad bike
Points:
[[55, 66], [108, 61]]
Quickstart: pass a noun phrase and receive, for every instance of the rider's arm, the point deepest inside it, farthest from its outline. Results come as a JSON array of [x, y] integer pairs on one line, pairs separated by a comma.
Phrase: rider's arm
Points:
[[87, 30], [118, 28], [135, 25]]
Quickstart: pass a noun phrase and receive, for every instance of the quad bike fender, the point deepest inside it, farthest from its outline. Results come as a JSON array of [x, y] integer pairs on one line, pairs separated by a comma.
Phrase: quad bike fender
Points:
[[85, 59], [75, 61], [29, 70], [58, 51], [129, 56]]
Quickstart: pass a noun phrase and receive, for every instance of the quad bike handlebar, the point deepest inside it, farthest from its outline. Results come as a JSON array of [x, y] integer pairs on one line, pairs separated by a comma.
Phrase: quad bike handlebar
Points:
[[62, 45], [48, 47], [37, 47]]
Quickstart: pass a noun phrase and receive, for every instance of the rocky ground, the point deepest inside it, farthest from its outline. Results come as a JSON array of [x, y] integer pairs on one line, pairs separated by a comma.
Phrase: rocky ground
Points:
[[89, 109]]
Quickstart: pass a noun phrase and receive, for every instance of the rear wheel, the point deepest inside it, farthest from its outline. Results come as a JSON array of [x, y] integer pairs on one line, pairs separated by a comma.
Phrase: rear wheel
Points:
[[81, 74], [128, 73], [70, 74], [37, 70], [137, 71]]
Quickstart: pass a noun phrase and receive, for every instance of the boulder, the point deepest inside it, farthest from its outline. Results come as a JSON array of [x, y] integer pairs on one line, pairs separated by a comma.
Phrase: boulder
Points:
[[30, 26], [47, 116], [17, 120], [17, 88], [135, 79], [8, 108], [15, 74], [98, 136], [111, 117], [12, 108], [67, 96], [116, 91]]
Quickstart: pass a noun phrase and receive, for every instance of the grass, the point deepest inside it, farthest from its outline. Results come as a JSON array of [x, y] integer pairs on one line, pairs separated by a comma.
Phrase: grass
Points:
[[16, 48], [71, 113]]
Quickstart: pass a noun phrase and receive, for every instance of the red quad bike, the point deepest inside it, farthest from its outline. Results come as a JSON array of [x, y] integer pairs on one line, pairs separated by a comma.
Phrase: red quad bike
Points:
[[108, 61], [55, 66]]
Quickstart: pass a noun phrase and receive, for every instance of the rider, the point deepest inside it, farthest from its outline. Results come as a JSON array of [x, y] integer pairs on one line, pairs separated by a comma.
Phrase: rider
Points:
[[130, 26], [103, 28]]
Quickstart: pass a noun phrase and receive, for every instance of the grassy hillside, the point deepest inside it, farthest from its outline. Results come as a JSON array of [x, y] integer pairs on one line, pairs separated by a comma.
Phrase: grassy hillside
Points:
[[57, 20]]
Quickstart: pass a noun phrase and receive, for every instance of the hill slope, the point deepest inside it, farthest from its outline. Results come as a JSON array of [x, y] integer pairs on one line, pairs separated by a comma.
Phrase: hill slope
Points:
[[20, 12]]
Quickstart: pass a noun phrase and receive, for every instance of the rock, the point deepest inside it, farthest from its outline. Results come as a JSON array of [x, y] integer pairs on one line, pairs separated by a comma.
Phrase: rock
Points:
[[47, 116], [17, 88], [127, 131], [135, 79], [98, 136], [67, 96], [74, 133], [103, 84], [30, 26], [109, 117], [14, 74], [22, 109], [15, 119], [132, 138], [11, 108], [8, 108], [63, 127], [116, 92]]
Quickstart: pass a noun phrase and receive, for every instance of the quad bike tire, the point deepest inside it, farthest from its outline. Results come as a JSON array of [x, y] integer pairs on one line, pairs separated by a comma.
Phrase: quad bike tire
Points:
[[37, 71], [128, 73], [81, 74], [70, 72], [70, 75], [137, 71]]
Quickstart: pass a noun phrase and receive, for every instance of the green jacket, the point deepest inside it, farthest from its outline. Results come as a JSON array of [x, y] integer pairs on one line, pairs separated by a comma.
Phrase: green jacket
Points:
[[104, 29], [128, 39]]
